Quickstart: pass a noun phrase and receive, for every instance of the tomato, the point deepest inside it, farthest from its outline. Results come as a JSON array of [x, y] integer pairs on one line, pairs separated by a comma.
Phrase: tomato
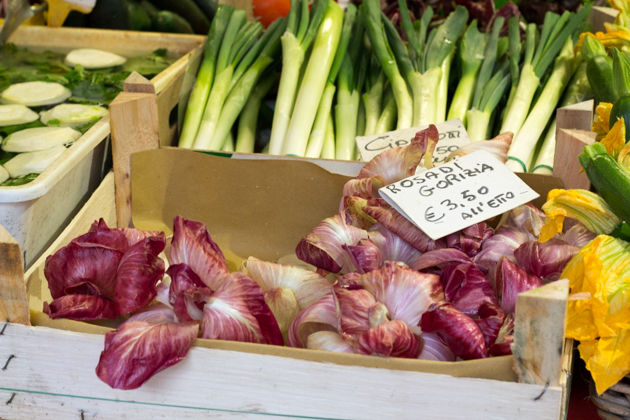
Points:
[[270, 10]]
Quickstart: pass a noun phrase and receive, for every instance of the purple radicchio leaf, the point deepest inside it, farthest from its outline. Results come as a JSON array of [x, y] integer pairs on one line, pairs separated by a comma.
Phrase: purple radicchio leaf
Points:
[[139, 271], [470, 239], [512, 280], [365, 256], [287, 289], [395, 164], [527, 217], [405, 293], [577, 235], [389, 339], [323, 246], [328, 341], [321, 316], [353, 305], [439, 258], [101, 234], [462, 335], [193, 246], [187, 293], [497, 147], [466, 288], [399, 225], [80, 308], [502, 244], [136, 235], [546, 260], [83, 265], [435, 349], [489, 318], [360, 188], [502, 345], [144, 345], [237, 311], [392, 246], [427, 139]]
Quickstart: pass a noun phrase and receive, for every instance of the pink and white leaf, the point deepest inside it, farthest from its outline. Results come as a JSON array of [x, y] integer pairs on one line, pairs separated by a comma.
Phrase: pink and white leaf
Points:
[[328, 341], [323, 246], [435, 349], [390, 339], [392, 246], [80, 308], [144, 345], [395, 164], [497, 147], [237, 311], [321, 316], [352, 305], [193, 246]]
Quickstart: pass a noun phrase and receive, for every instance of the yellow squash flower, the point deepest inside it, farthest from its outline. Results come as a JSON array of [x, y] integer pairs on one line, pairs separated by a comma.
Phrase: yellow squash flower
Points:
[[588, 208], [601, 126], [598, 313], [614, 37], [615, 140]]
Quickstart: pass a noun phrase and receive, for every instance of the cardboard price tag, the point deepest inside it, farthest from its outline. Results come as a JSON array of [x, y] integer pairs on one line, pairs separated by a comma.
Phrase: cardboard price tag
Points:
[[458, 194], [452, 136]]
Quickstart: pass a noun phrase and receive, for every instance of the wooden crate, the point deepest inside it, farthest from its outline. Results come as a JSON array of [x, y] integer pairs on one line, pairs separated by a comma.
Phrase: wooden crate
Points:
[[50, 371]]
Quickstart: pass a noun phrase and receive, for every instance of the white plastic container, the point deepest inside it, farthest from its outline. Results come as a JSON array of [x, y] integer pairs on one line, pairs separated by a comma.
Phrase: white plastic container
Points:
[[36, 213]]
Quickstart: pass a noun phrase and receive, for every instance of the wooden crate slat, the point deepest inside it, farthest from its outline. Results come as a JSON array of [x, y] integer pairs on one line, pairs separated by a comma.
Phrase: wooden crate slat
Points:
[[228, 382]]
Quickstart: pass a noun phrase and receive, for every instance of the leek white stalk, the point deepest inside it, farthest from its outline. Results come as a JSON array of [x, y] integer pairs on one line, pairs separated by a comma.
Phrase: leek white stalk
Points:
[[346, 112], [220, 88], [293, 52], [238, 96], [387, 119], [382, 51], [442, 99], [248, 120], [314, 83], [372, 104], [316, 139], [205, 77], [328, 151], [471, 55], [524, 144], [544, 161], [228, 146], [556, 31]]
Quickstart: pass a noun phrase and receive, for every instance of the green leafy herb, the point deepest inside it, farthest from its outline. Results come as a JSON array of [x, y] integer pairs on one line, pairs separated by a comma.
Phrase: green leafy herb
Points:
[[21, 180]]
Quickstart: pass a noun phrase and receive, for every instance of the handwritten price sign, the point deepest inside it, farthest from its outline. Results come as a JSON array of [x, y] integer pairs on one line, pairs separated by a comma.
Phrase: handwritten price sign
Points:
[[458, 194], [452, 136]]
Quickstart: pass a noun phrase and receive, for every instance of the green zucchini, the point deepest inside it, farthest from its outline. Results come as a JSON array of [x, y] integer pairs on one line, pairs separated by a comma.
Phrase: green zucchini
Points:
[[600, 76], [621, 108], [166, 21], [149, 8], [609, 178], [110, 14], [209, 7], [138, 17], [188, 10]]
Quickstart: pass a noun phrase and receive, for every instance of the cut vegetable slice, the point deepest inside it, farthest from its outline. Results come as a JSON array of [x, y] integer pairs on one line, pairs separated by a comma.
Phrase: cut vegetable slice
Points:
[[91, 59], [16, 114], [72, 115], [35, 94], [4, 175], [33, 162], [42, 138]]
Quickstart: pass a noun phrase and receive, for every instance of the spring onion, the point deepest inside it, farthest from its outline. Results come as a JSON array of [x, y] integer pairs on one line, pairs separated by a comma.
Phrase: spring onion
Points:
[[205, 77], [301, 31], [248, 120], [314, 81]]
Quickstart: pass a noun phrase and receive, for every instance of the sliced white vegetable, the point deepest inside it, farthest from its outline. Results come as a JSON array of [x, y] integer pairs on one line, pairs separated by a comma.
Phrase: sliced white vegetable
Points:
[[90, 58], [72, 115], [4, 175], [33, 162], [41, 138], [35, 94], [16, 114]]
